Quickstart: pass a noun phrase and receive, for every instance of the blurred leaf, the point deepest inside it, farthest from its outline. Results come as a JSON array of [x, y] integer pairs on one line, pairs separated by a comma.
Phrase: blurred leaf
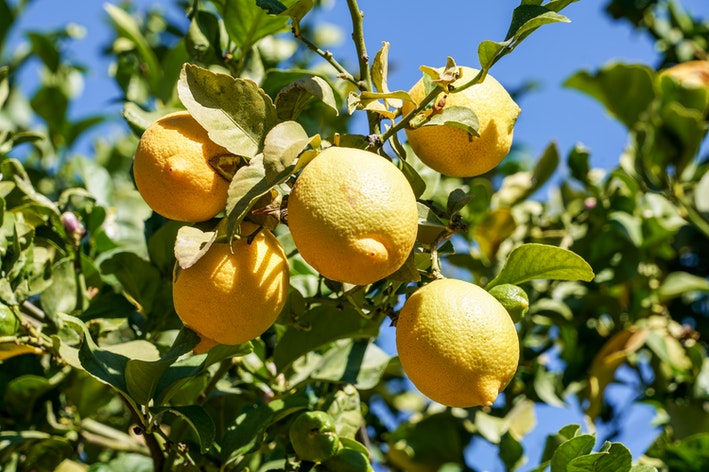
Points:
[[545, 387], [246, 22], [532, 261], [293, 98], [236, 113], [23, 392], [678, 283], [198, 419], [60, 297], [318, 327], [127, 26], [493, 230], [629, 226], [578, 163], [511, 452], [626, 90], [612, 355]]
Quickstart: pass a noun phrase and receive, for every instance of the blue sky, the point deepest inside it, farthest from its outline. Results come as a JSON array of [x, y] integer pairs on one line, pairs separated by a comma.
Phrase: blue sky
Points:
[[426, 33]]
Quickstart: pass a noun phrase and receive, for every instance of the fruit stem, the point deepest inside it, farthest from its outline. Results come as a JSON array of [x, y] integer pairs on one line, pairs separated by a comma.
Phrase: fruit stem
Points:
[[456, 224]]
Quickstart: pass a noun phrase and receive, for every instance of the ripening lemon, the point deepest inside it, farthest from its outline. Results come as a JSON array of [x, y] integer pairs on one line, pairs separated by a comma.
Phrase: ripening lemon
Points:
[[173, 173], [457, 343], [353, 215], [231, 296], [452, 151]]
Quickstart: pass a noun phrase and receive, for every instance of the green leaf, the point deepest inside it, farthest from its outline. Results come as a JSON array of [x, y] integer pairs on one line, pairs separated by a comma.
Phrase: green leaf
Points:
[[4, 84], [318, 327], [138, 278], [60, 296], [679, 283], [346, 409], [198, 419], [22, 392], [236, 113], [458, 117], [511, 451], [616, 458], [359, 363], [143, 376], [247, 431], [247, 23], [127, 26], [249, 184], [540, 261], [570, 449], [294, 98], [629, 226], [625, 90]]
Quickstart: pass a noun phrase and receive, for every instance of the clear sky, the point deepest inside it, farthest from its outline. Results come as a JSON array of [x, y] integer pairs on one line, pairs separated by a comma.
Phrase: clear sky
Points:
[[426, 33]]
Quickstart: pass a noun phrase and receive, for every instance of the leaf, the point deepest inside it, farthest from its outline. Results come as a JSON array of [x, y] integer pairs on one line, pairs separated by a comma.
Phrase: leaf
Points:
[[532, 261], [247, 431], [250, 183], [143, 376], [526, 18], [236, 113], [521, 185], [359, 363], [127, 26], [626, 90], [570, 449], [616, 458], [496, 227], [22, 392], [294, 98], [318, 327], [680, 283], [457, 117], [629, 226], [346, 409], [613, 354], [191, 244], [283, 144], [198, 419], [247, 23], [138, 278]]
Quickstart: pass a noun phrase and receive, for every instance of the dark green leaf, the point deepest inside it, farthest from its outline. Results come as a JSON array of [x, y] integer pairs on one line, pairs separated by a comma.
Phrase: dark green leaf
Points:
[[247, 431], [511, 451], [138, 278], [318, 327], [273, 7], [360, 364], [570, 449], [247, 23], [198, 419], [236, 113], [540, 261], [22, 392], [614, 458]]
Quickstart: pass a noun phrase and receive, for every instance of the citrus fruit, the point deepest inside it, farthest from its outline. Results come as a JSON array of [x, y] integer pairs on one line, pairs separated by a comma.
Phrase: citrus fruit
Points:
[[690, 73], [232, 295], [513, 298], [313, 436], [172, 170], [352, 215], [457, 343], [452, 151]]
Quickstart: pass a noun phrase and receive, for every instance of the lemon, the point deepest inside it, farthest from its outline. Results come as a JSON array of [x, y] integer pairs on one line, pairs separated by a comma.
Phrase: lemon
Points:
[[172, 170], [452, 151], [457, 343], [313, 437], [230, 296], [353, 215]]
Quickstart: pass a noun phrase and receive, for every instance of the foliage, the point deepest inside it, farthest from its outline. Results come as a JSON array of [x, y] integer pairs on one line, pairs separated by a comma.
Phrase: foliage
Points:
[[98, 373]]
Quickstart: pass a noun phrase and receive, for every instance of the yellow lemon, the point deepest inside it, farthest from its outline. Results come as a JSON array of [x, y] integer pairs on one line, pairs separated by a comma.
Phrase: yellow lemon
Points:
[[452, 151], [353, 215], [457, 343], [232, 295], [173, 173]]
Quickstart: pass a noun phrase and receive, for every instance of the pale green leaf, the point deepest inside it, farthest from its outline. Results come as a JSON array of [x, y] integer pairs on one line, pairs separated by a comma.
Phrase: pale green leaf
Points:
[[458, 117], [293, 98], [678, 283]]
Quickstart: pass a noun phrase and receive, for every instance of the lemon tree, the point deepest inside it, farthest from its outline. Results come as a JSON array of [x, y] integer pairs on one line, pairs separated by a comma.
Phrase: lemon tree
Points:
[[287, 261]]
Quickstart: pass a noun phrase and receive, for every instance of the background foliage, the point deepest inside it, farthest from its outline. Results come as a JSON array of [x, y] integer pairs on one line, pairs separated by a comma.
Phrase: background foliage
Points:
[[93, 371]]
